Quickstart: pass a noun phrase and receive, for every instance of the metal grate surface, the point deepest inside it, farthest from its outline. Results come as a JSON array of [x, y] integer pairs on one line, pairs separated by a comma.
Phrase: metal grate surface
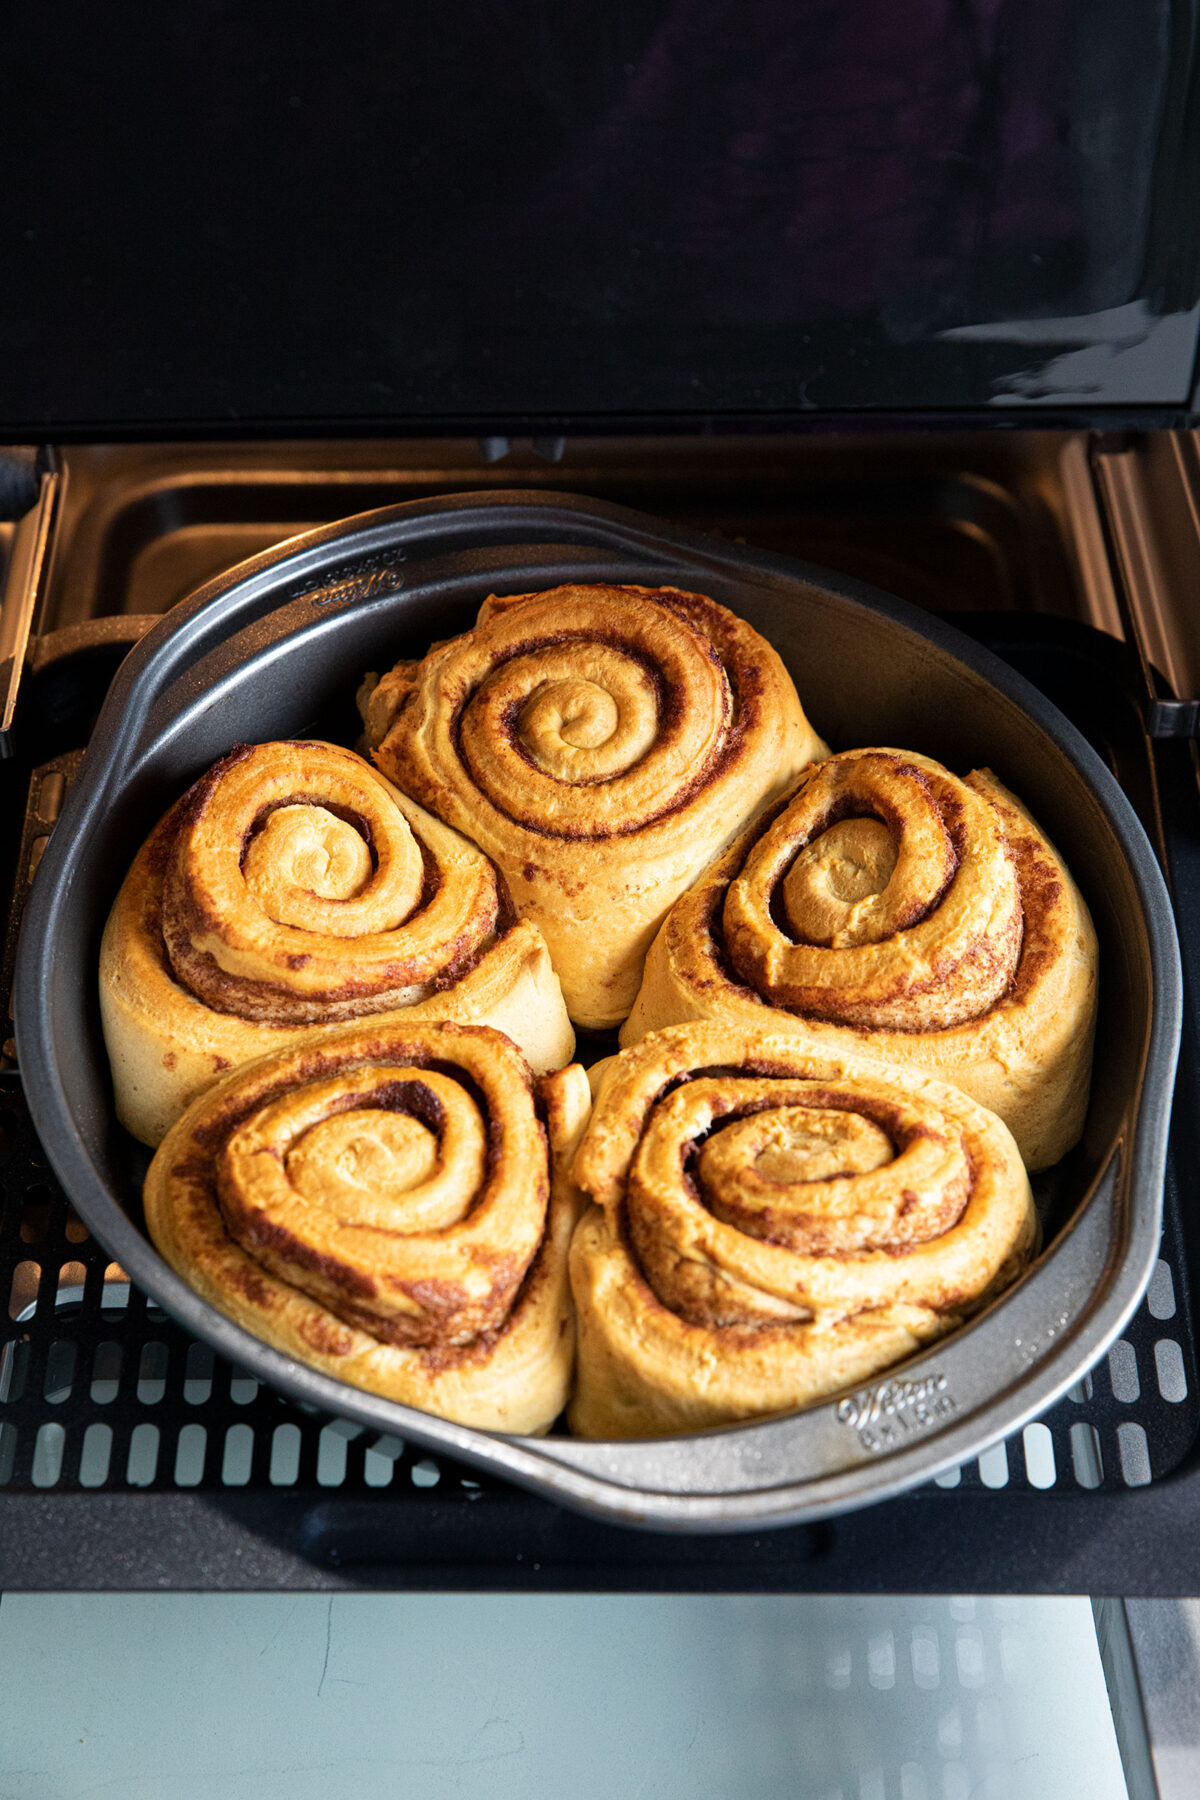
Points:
[[100, 1390]]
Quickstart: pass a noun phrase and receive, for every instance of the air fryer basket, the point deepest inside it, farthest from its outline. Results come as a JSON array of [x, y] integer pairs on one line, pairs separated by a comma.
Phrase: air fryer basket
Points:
[[276, 647]]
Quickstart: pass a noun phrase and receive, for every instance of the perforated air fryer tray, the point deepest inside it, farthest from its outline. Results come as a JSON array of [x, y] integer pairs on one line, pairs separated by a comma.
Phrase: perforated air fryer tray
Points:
[[276, 649]]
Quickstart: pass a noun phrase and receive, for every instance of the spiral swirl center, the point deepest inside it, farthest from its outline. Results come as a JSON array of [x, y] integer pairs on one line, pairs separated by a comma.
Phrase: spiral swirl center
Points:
[[828, 890], [792, 1146], [783, 1169], [299, 890], [354, 1150], [304, 851], [618, 694], [883, 897], [577, 713], [583, 724], [365, 1152]]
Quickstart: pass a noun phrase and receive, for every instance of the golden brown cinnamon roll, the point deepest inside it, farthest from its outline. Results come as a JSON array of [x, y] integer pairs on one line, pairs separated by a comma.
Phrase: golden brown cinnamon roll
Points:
[[294, 887], [890, 908], [774, 1222], [601, 744], [390, 1203]]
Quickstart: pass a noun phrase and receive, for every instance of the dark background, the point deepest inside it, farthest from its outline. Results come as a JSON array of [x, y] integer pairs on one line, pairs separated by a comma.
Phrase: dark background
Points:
[[219, 216]]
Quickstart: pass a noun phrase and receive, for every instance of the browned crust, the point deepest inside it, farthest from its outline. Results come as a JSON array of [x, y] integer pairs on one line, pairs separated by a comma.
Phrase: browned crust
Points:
[[196, 1179], [699, 1306], [178, 918]]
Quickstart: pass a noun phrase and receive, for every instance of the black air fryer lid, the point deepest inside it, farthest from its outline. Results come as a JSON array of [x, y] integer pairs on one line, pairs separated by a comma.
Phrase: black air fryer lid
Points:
[[509, 215]]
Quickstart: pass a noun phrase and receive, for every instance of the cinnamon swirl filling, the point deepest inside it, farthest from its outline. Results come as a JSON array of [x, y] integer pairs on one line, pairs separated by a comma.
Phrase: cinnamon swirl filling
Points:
[[634, 707], [295, 891], [889, 907], [772, 1221], [293, 888], [387, 1203], [885, 896], [378, 1191], [601, 744]]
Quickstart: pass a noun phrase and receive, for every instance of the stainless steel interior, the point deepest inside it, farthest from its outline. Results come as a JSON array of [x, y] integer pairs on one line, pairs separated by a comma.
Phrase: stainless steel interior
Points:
[[975, 522], [1098, 528]]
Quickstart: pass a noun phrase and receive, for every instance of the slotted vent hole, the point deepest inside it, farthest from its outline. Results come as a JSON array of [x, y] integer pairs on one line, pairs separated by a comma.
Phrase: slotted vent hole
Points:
[[238, 1457], [993, 1466], [1168, 1366], [114, 1295], [1085, 1455], [1038, 1444], [331, 1457], [60, 1371], [881, 1661], [51, 791], [912, 1782], [106, 1372], [48, 1454], [24, 1290], [141, 1465], [926, 1657], [1134, 1452], [379, 1462], [285, 1455], [189, 1456], [198, 1374], [1160, 1295], [1123, 1372], [95, 1455], [71, 1279], [152, 1373]]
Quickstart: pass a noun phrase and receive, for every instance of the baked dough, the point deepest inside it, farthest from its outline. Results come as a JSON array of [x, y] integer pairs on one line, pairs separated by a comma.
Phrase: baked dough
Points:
[[383, 1203], [293, 887], [775, 1221], [889, 908], [601, 744]]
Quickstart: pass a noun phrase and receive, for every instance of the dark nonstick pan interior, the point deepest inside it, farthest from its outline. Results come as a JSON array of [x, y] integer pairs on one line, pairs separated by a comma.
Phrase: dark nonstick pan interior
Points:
[[276, 649]]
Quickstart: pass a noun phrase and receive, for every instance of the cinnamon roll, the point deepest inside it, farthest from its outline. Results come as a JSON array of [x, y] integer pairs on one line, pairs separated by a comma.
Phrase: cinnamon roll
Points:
[[890, 908], [601, 744], [390, 1203], [774, 1221], [291, 888]]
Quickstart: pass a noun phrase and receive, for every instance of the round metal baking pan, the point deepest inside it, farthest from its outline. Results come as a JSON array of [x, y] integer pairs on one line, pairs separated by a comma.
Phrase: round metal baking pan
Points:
[[276, 647]]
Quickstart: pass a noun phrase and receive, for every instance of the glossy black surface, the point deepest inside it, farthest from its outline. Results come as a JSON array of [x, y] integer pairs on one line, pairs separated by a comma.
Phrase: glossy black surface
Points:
[[216, 216]]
